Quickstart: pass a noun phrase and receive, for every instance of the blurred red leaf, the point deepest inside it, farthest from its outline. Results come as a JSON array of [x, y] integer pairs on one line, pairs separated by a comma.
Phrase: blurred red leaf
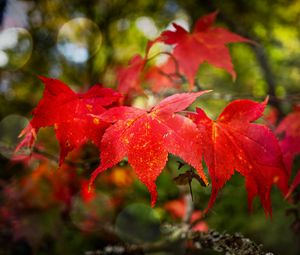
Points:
[[205, 43], [177, 208], [121, 177], [130, 77], [162, 77]]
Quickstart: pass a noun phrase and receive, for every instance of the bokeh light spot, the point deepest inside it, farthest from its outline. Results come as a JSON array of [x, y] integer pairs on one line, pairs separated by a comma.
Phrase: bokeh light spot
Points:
[[15, 48], [147, 26], [79, 39]]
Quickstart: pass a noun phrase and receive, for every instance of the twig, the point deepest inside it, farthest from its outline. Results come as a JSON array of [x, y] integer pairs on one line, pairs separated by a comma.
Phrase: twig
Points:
[[170, 55], [189, 205], [176, 73]]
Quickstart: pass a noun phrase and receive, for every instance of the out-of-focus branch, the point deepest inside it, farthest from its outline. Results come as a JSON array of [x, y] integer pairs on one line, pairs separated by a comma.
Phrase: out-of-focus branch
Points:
[[212, 240], [174, 75]]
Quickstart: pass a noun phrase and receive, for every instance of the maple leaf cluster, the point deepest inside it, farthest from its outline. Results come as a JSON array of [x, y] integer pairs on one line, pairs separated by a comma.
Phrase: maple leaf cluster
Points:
[[146, 137]]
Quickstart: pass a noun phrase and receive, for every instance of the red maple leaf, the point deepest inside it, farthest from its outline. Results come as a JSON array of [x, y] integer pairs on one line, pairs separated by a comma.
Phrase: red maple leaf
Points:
[[232, 142], [290, 144], [146, 137], [205, 43], [69, 113], [289, 127]]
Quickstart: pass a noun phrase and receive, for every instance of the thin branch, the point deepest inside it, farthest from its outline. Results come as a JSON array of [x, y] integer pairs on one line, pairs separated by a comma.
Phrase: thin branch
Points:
[[170, 55], [176, 73], [189, 205]]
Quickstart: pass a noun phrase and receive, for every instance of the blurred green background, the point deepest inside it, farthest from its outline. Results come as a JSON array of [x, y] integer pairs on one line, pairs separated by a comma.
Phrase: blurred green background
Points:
[[82, 43]]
